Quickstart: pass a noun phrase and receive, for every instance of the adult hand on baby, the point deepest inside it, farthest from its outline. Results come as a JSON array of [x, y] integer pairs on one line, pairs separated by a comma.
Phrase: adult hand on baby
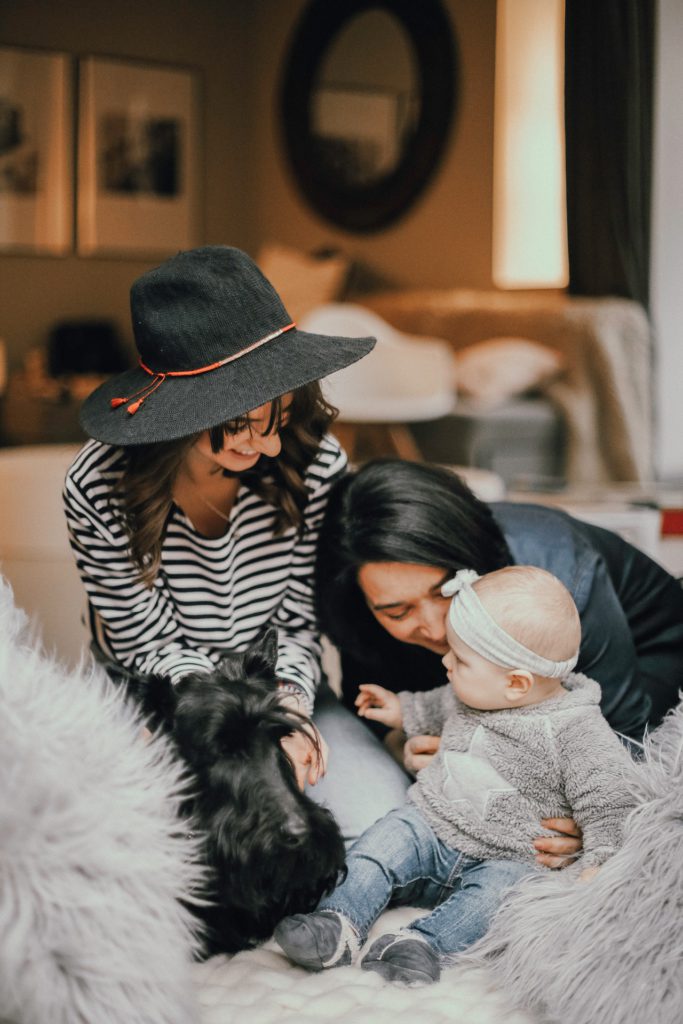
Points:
[[562, 850], [379, 705], [552, 851], [419, 751]]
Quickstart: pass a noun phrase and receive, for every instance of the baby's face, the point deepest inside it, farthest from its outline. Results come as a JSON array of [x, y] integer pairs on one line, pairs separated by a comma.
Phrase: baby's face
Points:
[[476, 681]]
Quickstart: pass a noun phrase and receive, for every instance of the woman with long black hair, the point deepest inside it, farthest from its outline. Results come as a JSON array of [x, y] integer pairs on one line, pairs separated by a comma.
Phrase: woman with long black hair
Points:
[[395, 531]]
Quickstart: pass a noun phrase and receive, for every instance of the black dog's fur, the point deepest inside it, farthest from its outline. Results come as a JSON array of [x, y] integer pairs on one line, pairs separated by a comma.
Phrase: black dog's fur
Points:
[[270, 849]]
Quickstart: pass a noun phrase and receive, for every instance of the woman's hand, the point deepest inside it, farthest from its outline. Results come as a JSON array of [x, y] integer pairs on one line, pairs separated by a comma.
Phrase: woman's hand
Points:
[[308, 752], [418, 752], [306, 749], [562, 850], [379, 705]]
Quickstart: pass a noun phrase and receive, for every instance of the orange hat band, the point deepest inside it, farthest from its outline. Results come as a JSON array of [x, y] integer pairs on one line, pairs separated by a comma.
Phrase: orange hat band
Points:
[[159, 376]]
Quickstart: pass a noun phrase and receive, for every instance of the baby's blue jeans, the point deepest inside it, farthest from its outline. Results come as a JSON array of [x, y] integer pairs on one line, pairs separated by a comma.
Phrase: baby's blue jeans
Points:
[[400, 860]]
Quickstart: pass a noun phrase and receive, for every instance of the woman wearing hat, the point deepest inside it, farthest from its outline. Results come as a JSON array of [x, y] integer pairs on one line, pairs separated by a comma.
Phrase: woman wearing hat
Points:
[[194, 511]]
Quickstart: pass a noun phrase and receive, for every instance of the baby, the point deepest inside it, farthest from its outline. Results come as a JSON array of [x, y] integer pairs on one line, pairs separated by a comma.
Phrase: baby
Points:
[[522, 738]]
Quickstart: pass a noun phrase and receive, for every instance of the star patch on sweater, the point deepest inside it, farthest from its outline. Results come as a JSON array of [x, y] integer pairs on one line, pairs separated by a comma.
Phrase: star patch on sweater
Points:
[[471, 778]]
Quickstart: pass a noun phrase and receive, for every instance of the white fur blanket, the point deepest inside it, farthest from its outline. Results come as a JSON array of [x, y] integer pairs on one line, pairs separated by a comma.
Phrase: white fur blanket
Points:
[[92, 859], [262, 987], [92, 862]]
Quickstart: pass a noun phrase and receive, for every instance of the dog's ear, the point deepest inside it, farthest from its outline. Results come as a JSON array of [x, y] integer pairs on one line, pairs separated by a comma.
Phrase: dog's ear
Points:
[[154, 695], [160, 700], [262, 655]]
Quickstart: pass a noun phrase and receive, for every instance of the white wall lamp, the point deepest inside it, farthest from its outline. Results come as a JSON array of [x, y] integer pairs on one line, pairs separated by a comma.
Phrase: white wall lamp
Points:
[[529, 196]]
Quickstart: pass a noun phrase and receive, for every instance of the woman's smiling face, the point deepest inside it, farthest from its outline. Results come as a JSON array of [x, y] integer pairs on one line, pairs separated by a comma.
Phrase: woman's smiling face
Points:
[[407, 601], [243, 449]]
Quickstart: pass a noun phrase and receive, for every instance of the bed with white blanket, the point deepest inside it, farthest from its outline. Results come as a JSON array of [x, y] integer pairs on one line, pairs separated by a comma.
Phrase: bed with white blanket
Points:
[[92, 865]]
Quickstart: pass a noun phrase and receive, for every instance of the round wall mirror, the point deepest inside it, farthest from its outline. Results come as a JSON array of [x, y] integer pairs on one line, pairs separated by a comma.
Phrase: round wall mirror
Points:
[[367, 100]]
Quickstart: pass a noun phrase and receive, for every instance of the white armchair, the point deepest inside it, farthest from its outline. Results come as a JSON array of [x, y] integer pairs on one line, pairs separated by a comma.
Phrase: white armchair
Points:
[[404, 380], [35, 556]]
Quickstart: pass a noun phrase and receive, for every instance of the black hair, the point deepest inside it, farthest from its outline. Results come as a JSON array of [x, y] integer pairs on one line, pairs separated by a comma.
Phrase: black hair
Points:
[[395, 511]]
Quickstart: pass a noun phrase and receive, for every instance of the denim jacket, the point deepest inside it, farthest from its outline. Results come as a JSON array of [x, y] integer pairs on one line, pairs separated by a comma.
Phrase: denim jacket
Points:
[[631, 609]]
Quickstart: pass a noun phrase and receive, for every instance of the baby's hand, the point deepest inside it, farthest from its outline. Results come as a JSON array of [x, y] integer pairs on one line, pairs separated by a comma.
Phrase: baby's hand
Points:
[[588, 873], [379, 705]]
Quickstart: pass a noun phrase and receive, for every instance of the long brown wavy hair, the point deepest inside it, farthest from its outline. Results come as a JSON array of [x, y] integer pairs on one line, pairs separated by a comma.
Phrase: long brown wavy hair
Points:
[[146, 485]]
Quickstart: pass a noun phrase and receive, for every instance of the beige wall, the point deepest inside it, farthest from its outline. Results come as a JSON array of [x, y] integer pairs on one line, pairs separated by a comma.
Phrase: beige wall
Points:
[[238, 48], [207, 36], [445, 239]]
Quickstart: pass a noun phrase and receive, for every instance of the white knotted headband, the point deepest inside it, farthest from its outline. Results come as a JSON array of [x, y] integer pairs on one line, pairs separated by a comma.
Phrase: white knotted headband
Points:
[[475, 627]]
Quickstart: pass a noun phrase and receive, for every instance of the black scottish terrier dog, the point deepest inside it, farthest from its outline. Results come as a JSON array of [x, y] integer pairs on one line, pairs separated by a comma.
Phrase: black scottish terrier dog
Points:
[[271, 850]]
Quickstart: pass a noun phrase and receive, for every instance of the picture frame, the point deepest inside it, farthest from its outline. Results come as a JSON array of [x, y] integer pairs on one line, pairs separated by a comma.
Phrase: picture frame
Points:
[[138, 136], [36, 151]]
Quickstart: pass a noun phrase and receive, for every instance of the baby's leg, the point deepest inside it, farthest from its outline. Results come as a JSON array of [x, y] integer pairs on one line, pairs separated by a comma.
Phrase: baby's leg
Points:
[[414, 956], [466, 915], [398, 851]]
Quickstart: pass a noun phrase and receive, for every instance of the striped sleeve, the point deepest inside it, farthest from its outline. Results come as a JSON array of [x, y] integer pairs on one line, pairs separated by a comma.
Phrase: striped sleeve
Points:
[[132, 623]]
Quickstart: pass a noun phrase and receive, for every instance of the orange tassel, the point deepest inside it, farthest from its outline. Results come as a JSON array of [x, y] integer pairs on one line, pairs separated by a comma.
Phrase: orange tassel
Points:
[[145, 392]]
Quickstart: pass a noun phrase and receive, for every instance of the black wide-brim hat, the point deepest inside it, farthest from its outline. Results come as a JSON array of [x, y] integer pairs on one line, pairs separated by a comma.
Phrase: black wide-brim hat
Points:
[[214, 341]]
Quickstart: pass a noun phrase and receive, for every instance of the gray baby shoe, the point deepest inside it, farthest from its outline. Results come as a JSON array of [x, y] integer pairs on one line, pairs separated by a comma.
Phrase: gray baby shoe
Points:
[[402, 958], [319, 940]]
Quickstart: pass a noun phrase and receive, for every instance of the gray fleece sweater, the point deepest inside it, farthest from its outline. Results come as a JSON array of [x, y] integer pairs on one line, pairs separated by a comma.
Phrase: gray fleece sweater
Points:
[[497, 773]]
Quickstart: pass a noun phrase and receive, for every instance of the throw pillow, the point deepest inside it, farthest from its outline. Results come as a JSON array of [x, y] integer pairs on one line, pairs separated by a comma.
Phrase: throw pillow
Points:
[[493, 371]]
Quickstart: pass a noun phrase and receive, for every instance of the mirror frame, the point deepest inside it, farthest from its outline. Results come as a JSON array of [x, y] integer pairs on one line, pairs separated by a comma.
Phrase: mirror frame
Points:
[[371, 207]]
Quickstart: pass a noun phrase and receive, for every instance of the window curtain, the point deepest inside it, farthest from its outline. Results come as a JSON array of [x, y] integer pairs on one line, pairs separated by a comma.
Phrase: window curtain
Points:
[[609, 71]]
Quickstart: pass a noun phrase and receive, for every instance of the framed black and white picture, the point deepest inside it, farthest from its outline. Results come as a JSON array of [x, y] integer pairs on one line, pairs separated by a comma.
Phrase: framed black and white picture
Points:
[[138, 138], [36, 145]]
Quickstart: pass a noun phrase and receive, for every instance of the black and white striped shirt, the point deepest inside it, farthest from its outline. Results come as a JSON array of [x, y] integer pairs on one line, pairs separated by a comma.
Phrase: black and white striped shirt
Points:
[[211, 594]]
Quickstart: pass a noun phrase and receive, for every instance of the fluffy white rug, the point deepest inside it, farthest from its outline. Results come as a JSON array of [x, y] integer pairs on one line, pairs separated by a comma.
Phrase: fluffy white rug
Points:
[[92, 860], [263, 987]]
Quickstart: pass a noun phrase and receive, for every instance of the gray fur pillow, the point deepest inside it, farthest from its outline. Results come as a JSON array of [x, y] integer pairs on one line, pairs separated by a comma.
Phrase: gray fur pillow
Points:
[[92, 859], [608, 950]]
